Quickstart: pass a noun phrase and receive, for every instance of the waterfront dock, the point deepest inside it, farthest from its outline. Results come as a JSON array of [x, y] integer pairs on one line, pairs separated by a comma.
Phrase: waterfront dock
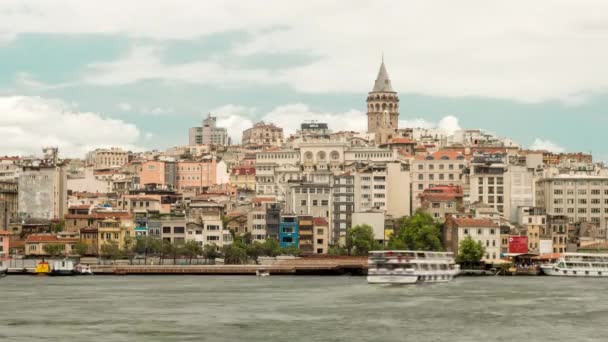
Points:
[[299, 266]]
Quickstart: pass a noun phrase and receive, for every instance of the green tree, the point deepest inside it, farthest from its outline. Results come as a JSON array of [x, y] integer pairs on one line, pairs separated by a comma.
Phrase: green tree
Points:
[[469, 251], [255, 250], [271, 247], [291, 250], [58, 226], [129, 249], [80, 248], [417, 232], [54, 249], [337, 250], [166, 249], [192, 250], [360, 240], [235, 253], [111, 250], [211, 251]]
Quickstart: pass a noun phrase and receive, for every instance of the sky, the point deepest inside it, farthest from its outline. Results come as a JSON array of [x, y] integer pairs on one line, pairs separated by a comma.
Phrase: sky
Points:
[[137, 74]]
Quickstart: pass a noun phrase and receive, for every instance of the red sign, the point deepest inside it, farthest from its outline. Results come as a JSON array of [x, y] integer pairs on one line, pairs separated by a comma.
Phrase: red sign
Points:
[[518, 244]]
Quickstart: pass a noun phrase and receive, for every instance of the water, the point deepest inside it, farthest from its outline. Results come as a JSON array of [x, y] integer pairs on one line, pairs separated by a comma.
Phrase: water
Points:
[[282, 308]]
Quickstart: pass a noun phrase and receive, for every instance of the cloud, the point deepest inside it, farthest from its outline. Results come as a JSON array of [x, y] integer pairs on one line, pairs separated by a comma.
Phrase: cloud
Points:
[[449, 124], [125, 107], [29, 123], [498, 50], [546, 145]]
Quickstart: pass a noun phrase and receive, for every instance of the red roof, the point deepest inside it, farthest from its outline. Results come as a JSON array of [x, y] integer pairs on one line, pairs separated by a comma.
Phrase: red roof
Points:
[[319, 221], [442, 192], [16, 244], [5, 232], [82, 206], [471, 222], [243, 170], [41, 238]]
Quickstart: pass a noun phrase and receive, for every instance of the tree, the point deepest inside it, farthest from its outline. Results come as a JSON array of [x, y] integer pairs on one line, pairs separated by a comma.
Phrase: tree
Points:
[[111, 250], [58, 227], [54, 249], [211, 251], [81, 248], [469, 251], [129, 249], [235, 253], [291, 250], [192, 250], [360, 240], [419, 232], [271, 247], [166, 248], [255, 250], [337, 250]]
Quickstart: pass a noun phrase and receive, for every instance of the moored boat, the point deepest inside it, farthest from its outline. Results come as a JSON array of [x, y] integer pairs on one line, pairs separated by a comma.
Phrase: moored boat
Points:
[[42, 268], [81, 269], [578, 265], [411, 267], [262, 272], [64, 267]]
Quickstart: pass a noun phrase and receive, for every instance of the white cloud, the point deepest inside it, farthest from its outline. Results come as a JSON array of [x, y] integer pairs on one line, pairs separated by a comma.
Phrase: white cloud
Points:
[[510, 50], [125, 107], [29, 123], [546, 145], [449, 124], [291, 116]]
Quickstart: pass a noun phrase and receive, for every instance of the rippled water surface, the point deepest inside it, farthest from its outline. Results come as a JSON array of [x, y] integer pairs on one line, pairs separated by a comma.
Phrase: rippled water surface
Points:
[[190, 308]]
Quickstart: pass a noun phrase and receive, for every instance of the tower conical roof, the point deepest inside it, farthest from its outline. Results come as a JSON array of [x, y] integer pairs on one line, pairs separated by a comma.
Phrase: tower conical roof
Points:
[[383, 82]]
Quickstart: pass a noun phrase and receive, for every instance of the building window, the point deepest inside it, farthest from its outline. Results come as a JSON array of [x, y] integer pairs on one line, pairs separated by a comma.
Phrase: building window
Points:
[[303, 202]]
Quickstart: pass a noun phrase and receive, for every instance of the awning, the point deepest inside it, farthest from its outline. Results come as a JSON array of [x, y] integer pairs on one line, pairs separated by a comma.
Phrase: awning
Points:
[[549, 256]]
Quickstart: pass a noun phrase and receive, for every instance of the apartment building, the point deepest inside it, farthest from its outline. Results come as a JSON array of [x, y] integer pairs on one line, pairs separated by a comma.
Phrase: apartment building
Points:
[[484, 230], [274, 170], [208, 133], [321, 235], [43, 192], [580, 198], [384, 187], [442, 200], [264, 134], [343, 206], [243, 177], [438, 168], [101, 159], [496, 181]]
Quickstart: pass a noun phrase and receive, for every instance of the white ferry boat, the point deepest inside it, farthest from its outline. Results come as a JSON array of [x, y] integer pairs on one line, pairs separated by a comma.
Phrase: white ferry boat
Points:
[[578, 265], [411, 267]]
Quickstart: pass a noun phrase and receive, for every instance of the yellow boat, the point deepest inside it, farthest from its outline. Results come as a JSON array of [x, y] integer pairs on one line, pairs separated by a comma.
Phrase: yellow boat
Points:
[[42, 268]]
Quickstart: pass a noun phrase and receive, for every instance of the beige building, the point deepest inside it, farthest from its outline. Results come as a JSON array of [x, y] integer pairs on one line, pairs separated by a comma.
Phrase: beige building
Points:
[[580, 198], [243, 177], [274, 170], [384, 187], [107, 158], [434, 169], [484, 230], [264, 134]]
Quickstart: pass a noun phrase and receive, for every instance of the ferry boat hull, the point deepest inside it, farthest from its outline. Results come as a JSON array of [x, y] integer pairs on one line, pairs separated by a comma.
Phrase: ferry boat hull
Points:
[[411, 278], [552, 270], [411, 267], [589, 265]]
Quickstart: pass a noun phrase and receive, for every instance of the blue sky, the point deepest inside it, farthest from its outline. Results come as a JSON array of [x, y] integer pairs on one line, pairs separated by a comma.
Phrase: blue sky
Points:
[[139, 76]]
